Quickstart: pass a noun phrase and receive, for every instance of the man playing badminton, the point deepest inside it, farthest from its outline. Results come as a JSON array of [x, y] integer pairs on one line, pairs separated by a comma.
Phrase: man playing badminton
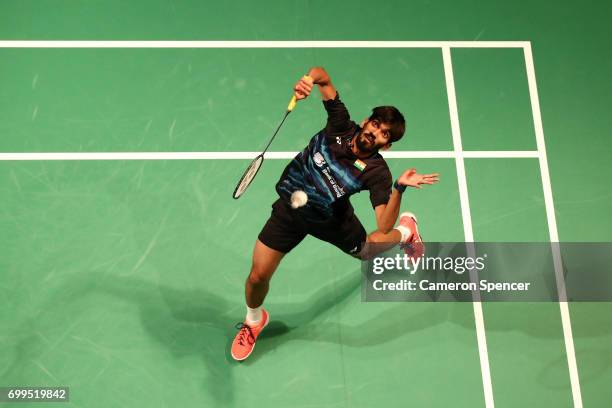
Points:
[[314, 189]]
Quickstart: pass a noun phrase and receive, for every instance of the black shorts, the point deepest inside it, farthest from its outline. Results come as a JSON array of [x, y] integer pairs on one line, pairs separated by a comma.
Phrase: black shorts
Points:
[[286, 228]]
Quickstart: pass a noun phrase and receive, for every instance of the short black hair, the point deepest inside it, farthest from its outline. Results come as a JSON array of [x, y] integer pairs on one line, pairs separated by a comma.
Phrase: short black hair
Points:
[[392, 117]]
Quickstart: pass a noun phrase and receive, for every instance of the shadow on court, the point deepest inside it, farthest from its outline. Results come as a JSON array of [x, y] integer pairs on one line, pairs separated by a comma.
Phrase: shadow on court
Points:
[[198, 322]]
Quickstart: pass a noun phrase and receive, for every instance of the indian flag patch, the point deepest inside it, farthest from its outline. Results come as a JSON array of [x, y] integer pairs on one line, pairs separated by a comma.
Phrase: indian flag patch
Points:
[[360, 165]]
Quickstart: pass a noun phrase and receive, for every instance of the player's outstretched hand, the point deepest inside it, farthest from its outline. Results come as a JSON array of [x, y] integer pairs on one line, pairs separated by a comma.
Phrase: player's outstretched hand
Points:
[[413, 179], [303, 87]]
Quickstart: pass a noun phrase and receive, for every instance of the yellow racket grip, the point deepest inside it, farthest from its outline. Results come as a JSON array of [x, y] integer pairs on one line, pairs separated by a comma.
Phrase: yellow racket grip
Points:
[[292, 103], [293, 100]]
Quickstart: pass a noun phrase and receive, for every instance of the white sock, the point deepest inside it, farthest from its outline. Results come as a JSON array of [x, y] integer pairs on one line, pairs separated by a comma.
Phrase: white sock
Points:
[[405, 231], [253, 315]]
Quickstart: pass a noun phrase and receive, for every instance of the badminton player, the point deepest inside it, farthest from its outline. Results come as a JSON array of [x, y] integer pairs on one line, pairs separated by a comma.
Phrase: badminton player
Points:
[[314, 189]]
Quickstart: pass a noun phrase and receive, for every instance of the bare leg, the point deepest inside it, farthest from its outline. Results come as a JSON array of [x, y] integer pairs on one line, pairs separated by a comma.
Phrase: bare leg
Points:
[[378, 242], [265, 262], [392, 237]]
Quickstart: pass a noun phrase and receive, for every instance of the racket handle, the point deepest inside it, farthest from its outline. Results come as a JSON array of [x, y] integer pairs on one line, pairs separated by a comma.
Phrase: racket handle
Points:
[[293, 100], [292, 103]]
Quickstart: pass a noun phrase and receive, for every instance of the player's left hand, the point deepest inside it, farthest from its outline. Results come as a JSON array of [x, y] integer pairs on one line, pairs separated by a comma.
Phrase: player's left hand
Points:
[[413, 179]]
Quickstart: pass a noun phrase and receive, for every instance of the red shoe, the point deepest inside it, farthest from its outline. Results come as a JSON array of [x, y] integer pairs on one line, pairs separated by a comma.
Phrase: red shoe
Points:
[[244, 342], [413, 245]]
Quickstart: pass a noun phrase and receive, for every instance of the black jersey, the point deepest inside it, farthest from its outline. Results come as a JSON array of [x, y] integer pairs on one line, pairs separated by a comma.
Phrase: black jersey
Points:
[[329, 172]]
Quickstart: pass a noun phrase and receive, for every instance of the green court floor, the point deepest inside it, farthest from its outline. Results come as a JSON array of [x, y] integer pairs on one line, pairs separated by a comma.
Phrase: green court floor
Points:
[[123, 279]]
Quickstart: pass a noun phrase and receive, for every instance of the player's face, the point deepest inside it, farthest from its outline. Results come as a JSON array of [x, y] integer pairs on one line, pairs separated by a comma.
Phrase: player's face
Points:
[[374, 136]]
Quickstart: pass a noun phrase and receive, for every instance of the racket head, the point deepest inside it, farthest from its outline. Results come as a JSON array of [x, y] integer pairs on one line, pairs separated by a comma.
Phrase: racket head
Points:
[[248, 176]]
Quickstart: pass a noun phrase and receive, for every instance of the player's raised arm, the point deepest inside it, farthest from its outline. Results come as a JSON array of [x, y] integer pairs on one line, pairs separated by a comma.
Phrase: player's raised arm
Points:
[[319, 76], [323, 81]]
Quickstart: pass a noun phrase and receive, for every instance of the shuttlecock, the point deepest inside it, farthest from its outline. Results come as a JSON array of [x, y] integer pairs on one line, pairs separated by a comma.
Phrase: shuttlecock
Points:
[[298, 199]]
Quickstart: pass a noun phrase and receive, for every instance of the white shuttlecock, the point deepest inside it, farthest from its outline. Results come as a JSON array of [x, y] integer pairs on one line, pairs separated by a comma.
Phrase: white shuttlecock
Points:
[[298, 199]]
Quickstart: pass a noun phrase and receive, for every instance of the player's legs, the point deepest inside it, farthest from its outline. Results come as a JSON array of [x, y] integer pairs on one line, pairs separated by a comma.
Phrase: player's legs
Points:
[[392, 237], [406, 233], [378, 242], [265, 262], [279, 236]]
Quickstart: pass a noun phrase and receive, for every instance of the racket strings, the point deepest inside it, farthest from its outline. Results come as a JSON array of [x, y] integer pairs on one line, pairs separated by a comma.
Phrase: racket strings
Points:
[[249, 175], [251, 171]]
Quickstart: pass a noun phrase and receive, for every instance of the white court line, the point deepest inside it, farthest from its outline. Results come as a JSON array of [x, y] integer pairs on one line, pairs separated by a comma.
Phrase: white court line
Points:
[[552, 230], [500, 154], [467, 226], [249, 155], [262, 44]]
